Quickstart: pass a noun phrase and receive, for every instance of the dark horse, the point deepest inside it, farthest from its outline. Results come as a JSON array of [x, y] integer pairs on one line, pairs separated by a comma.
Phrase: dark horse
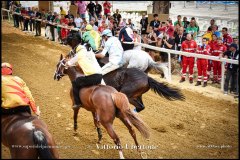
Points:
[[105, 103], [134, 82], [27, 137]]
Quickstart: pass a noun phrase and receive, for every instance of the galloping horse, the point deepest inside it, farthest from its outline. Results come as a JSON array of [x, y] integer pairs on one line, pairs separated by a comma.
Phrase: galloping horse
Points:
[[105, 103], [134, 82], [27, 137]]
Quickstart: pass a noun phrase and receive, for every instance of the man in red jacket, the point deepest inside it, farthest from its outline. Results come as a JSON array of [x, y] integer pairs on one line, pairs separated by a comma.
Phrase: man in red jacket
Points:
[[189, 45], [202, 63], [217, 50], [227, 38], [212, 43]]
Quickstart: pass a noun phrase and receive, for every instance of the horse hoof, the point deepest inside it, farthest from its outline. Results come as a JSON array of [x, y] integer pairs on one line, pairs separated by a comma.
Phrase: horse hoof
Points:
[[144, 155], [99, 142]]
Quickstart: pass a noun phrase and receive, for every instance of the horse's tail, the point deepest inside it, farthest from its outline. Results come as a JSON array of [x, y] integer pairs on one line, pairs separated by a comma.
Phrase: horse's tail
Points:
[[121, 102], [164, 90], [41, 143]]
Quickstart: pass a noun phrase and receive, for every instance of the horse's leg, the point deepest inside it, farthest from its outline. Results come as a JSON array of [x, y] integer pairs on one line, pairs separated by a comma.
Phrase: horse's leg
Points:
[[138, 104], [136, 92], [129, 125], [75, 115], [114, 136], [75, 111], [97, 124]]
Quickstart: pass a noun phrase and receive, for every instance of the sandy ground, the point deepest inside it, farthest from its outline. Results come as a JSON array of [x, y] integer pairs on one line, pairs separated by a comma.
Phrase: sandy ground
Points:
[[205, 125]]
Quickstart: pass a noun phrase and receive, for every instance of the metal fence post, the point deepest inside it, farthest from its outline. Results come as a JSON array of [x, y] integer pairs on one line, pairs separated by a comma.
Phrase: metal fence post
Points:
[[2, 14], [222, 78], [169, 67], [8, 16]]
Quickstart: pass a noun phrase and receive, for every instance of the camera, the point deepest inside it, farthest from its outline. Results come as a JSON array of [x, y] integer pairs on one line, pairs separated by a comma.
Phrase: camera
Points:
[[164, 37]]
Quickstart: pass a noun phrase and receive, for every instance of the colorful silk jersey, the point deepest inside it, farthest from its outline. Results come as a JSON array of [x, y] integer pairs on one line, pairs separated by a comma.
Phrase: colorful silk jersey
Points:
[[15, 93], [93, 38]]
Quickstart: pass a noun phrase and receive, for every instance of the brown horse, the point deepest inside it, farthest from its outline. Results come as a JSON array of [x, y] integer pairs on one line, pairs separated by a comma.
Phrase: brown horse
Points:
[[105, 103], [27, 137], [134, 82]]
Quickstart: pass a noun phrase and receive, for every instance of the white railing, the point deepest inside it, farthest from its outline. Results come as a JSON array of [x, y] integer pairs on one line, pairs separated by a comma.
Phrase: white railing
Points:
[[169, 52]]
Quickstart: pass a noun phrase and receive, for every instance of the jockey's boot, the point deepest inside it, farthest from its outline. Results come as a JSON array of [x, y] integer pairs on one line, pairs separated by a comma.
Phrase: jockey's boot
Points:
[[198, 83], [76, 96], [182, 80], [191, 80], [204, 84]]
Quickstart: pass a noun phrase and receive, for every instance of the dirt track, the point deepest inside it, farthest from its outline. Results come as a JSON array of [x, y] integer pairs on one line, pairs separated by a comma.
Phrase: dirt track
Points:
[[179, 129]]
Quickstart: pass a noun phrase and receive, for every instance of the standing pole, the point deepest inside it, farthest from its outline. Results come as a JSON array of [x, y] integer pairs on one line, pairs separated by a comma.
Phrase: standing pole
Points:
[[222, 76], [2, 14], [8, 16], [169, 68], [184, 4]]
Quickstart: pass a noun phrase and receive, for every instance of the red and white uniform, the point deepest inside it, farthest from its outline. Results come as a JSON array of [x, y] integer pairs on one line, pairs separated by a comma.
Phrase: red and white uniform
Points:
[[210, 64], [227, 40], [188, 46], [216, 50], [202, 63]]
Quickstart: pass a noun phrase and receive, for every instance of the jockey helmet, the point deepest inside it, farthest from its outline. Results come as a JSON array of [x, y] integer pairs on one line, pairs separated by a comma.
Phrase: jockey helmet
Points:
[[73, 36], [107, 32], [6, 69], [89, 27]]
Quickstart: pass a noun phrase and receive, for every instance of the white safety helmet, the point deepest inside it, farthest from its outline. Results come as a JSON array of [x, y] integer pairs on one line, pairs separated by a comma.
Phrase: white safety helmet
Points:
[[107, 32]]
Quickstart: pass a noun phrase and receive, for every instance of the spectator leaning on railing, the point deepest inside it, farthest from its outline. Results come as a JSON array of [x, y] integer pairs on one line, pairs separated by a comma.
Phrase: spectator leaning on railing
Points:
[[31, 20], [165, 41], [232, 69], [38, 23]]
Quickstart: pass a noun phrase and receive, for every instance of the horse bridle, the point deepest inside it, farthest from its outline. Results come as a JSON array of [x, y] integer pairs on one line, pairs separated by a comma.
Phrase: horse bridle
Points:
[[60, 75]]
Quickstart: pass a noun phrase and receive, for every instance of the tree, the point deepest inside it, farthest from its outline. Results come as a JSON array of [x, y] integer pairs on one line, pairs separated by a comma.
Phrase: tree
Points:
[[161, 7]]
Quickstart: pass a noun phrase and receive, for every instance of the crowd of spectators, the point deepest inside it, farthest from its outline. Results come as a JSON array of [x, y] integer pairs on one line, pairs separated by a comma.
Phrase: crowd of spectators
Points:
[[164, 34]]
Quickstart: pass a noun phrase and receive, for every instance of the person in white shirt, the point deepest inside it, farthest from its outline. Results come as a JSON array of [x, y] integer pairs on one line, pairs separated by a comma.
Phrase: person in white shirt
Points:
[[114, 48], [78, 20]]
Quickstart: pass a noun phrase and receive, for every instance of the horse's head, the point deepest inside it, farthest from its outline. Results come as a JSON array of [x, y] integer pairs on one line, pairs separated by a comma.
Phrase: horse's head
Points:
[[60, 71]]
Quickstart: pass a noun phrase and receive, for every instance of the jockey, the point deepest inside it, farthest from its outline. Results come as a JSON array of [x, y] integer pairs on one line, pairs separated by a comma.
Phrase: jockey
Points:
[[16, 96], [115, 51], [89, 65], [92, 37], [126, 35]]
